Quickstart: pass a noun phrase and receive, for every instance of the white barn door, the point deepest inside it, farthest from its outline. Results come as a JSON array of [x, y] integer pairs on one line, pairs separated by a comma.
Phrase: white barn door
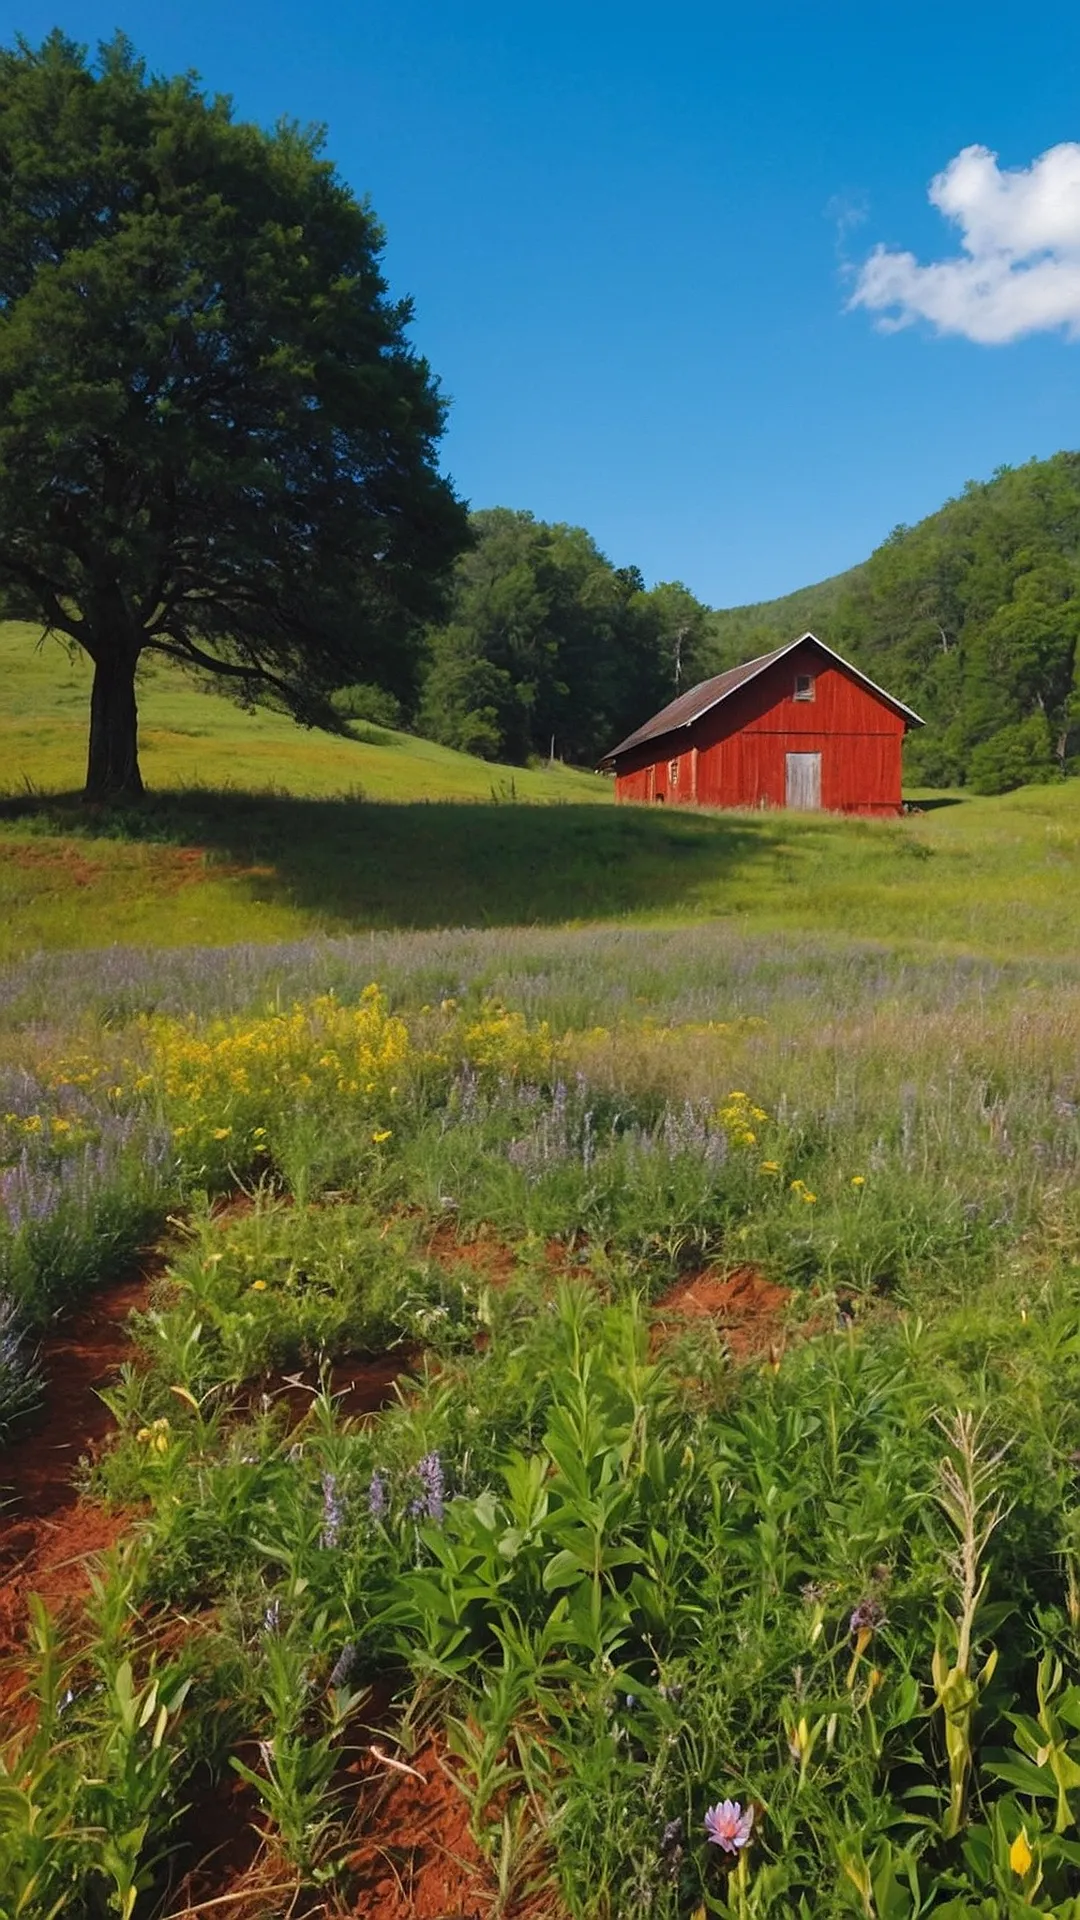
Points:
[[803, 782]]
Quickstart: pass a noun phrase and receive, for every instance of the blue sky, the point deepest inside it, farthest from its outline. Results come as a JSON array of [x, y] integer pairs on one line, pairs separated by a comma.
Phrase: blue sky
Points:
[[632, 232]]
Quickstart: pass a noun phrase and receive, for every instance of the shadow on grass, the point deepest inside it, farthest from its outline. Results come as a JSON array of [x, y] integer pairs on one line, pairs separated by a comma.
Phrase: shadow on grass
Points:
[[355, 863]]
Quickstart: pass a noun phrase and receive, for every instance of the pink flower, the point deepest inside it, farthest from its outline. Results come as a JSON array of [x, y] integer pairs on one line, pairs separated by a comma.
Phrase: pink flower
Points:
[[727, 1826]]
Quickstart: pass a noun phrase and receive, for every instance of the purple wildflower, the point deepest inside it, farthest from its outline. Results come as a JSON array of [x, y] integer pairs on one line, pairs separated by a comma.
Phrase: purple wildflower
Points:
[[272, 1617], [867, 1615], [432, 1498], [727, 1826], [377, 1492], [333, 1512]]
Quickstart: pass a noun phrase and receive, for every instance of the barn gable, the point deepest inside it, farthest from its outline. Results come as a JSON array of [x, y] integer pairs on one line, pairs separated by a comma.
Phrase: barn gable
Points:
[[796, 727], [697, 701]]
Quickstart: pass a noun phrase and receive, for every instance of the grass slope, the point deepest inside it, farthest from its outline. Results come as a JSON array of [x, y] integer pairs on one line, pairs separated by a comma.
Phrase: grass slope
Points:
[[191, 736], [213, 863]]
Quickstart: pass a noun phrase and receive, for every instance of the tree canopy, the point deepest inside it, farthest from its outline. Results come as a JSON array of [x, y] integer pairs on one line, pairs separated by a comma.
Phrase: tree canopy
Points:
[[216, 441], [547, 642]]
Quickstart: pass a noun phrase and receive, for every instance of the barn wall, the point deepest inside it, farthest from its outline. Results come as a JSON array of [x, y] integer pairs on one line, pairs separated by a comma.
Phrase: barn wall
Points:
[[735, 756]]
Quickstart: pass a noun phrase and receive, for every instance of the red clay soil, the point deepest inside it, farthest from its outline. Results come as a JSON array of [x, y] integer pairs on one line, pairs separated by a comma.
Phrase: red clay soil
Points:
[[361, 1385], [747, 1308], [417, 1859], [490, 1256], [47, 1532], [413, 1858]]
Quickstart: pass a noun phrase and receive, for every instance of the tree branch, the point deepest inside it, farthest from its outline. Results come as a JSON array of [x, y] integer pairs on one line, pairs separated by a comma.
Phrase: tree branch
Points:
[[50, 604], [190, 655]]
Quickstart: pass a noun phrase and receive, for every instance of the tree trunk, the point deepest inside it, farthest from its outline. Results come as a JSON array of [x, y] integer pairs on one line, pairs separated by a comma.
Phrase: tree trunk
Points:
[[112, 770]]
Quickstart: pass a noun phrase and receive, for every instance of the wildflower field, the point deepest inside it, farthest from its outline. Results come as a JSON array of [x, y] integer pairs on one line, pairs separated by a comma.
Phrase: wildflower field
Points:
[[593, 1429]]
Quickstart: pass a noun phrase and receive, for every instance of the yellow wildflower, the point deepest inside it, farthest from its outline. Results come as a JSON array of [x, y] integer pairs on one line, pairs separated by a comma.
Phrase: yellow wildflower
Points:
[[258, 1286], [383, 1133], [858, 1179], [222, 1133], [1020, 1855], [769, 1166]]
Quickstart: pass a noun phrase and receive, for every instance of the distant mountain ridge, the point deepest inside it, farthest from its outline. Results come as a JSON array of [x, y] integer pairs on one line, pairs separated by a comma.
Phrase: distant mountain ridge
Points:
[[972, 617]]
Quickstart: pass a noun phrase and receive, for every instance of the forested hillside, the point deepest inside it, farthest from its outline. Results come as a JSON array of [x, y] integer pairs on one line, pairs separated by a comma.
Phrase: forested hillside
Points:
[[548, 642], [972, 617]]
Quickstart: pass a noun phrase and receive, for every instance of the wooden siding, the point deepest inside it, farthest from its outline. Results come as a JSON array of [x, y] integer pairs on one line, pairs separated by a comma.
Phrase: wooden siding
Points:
[[735, 756]]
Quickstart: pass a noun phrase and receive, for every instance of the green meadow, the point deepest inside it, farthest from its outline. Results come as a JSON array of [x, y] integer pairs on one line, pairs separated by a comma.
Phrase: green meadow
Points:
[[597, 1433], [258, 829]]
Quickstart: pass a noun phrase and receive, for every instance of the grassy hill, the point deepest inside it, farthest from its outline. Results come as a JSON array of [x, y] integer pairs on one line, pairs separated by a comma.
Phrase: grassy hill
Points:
[[259, 831], [192, 736]]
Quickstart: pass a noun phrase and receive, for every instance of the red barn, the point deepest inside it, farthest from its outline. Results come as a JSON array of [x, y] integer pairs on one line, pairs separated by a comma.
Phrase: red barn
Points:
[[797, 728]]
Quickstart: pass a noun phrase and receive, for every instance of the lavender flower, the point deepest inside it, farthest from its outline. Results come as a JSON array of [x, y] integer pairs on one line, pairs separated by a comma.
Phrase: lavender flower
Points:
[[727, 1826], [333, 1512], [431, 1501], [377, 1495], [342, 1670]]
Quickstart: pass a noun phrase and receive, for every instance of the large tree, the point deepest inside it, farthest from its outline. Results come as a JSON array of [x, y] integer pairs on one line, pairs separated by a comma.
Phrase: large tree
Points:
[[216, 442]]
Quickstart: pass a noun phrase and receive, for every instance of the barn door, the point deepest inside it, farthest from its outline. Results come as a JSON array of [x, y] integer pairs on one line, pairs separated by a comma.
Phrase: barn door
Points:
[[803, 783]]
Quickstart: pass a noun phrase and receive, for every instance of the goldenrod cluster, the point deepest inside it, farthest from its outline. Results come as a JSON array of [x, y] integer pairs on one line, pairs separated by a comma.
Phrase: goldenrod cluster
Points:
[[60, 1131], [504, 1043], [221, 1087], [739, 1117]]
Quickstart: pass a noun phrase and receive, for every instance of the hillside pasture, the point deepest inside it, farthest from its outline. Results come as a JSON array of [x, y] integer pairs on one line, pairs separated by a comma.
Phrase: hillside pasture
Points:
[[259, 830]]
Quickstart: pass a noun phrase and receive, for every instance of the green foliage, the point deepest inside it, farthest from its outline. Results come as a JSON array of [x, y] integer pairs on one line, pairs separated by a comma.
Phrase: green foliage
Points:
[[195, 332], [283, 1286], [548, 642], [1015, 756], [366, 702]]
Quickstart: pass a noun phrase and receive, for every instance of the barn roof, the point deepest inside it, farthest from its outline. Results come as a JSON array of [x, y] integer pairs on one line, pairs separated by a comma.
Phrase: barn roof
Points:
[[709, 693]]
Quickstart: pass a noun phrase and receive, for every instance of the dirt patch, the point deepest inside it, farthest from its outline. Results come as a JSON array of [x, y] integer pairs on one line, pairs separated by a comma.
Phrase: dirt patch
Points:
[[489, 1257], [360, 1385], [412, 1856], [417, 1859], [49, 1531], [66, 864], [748, 1309], [173, 867]]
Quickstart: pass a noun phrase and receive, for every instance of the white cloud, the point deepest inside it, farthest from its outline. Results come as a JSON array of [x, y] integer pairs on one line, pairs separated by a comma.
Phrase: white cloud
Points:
[[1018, 270]]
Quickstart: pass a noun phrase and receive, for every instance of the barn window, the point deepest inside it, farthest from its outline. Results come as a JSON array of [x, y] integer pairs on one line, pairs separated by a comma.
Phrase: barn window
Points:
[[804, 686], [673, 772]]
